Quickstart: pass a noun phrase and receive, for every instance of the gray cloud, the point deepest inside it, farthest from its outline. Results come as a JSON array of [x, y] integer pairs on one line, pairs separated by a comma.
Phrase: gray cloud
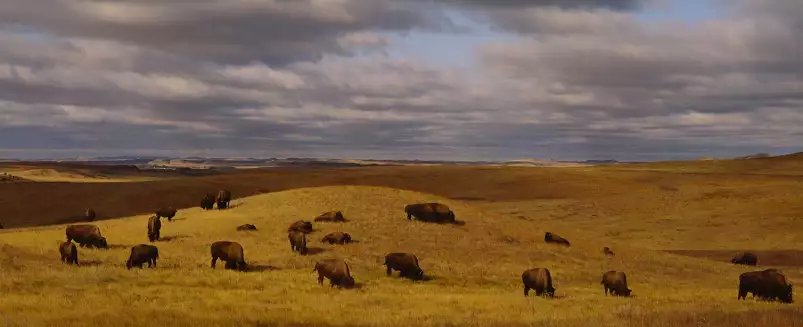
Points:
[[578, 83]]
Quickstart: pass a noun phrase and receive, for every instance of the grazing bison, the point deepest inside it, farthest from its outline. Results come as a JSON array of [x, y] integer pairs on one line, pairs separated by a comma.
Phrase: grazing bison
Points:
[[208, 202], [554, 238], [168, 212], [430, 212], [230, 252], [616, 283], [607, 251], [767, 284], [337, 271], [405, 263], [298, 242], [331, 216], [538, 279], [86, 235], [69, 253], [223, 199], [337, 238], [89, 214], [246, 227], [745, 258], [154, 227], [141, 254], [303, 226]]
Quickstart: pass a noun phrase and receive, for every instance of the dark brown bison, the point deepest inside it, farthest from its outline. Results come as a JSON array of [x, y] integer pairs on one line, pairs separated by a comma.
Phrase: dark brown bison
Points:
[[89, 214], [745, 258], [246, 227], [607, 251], [208, 202], [298, 242], [538, 279], [430, 212], [154, 228], [223, 199], [337, 238], [303, 226], [167, 212], [331, 216], [141, 254], [69, 253], [767, 284], [86, 236], [230, 252], [616, 283], [337, 271], [554, 238], [405, 263]]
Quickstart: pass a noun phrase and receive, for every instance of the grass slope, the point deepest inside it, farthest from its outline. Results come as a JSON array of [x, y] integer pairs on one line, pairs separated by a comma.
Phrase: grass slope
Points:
[[475, 268]]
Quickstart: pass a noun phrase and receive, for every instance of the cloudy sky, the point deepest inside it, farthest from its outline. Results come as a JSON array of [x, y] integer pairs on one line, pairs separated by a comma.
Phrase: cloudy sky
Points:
[[427, 79]]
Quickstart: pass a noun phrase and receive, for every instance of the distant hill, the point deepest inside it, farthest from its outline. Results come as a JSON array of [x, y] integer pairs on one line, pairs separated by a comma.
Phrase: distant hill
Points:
[[755, 156]]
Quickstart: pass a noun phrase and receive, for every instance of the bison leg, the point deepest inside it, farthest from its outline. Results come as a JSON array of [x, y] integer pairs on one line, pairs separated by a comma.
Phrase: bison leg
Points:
[[538, 292], [606, 290], [389, 271], [214, 261], [742, 295], [320, 279], [526, 291]]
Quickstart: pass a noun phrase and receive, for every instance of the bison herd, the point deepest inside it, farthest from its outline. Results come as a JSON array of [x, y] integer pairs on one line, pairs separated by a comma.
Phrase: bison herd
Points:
[[768, 284]]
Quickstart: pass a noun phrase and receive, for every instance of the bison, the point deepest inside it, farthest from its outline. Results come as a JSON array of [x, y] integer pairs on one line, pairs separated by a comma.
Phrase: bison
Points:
[[538, 279], [167, 212], [337, 271], [746, 258], [298, 242], [767, 284], [430, 212], [616, 283], [554, 238], [337, 238], [607, 251], [230, 252], [69, 253], [208, 202], [86, 236], [331, 216], [223, 199], [89, 214], [141, 254], [246, 227], [303, 226], [154, 227], [405, 263]]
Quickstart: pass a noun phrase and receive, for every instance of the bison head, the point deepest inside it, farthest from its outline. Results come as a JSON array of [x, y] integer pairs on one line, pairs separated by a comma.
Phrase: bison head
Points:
[[787, 296], [627, 292], [347, 282], [418, 274], [101, 243], [128, 264]]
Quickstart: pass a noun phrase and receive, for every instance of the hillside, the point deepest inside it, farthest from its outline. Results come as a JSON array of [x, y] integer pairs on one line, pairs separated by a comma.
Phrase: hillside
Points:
[[475, 270]]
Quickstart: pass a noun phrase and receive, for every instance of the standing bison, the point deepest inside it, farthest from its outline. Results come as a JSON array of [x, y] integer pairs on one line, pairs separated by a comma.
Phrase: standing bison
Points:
[[616, 283], [429, 212], [405, 263], [86, 236], [303, 226], [167, 212], [208, 202], [154, 228], [69, 253], [337, 238], [141, 254], [337, 271], [538, 279], [767, 284], [223, 199], [746, 258], [331, 216], [230, 252], [89, 214], [298, 242], [554, 238]]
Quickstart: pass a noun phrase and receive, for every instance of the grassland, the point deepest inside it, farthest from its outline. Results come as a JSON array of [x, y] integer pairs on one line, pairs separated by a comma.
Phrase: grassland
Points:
[[475, 268]]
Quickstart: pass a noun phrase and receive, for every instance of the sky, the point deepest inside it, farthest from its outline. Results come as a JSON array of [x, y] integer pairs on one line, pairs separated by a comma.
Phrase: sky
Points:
[[402, 79]]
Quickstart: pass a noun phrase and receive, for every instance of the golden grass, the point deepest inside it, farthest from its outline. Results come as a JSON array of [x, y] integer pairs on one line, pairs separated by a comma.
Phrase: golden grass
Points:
[[53, 175], [475, 268]]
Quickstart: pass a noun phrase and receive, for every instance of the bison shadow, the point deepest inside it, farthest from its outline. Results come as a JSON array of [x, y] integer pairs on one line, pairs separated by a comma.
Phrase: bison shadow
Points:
[[176, 219], [459, 223], [171, 238], [119, 246], [315, 250], [260, 268], [89, 263]]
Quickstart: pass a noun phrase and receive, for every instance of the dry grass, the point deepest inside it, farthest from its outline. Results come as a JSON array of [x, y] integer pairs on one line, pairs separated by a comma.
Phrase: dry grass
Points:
[[475, 268]]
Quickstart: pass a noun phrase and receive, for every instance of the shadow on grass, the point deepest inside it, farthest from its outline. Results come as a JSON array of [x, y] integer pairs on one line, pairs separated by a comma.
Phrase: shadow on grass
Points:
[[260, 268], [315, 250], [89, 263], [119, 246], [172, 238]]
